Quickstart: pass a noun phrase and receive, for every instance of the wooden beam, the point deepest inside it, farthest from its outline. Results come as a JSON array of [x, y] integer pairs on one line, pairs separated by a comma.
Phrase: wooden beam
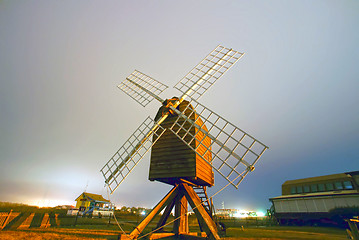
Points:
[[203, 217], [181, 207], [165, 216], [154, 212]]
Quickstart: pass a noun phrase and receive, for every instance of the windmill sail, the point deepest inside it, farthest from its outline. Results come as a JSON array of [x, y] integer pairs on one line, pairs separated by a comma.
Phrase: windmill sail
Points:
[[207, 72], [234, 151], [135, 84], [131, 152]]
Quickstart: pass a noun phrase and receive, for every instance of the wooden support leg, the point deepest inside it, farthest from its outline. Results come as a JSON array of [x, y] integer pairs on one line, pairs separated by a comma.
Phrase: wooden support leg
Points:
[[156, 210], [206, 221], [165, 216], [181, 208], [354, 229]]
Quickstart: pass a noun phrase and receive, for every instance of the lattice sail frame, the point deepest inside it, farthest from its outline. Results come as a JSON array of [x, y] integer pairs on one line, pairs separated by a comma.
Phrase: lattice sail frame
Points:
[[207, 72], [234, 151], [129, 87], [226, 161], [131, 152]]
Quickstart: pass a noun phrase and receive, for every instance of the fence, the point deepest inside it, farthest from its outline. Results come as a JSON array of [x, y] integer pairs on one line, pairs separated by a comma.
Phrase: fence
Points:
[[127, 222], [6, 217]]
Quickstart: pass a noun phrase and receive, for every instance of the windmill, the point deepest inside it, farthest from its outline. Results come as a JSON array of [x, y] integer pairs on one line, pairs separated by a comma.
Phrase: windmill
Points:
[[187, 142]]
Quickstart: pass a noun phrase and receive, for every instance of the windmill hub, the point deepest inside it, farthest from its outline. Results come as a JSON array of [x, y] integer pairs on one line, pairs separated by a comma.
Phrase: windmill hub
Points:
[[167, 104]]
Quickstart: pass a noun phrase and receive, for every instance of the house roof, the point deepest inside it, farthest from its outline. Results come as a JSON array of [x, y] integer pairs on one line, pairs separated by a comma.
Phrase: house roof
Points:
[[93, 197], [317, 194], [315, 179], [321, 178]]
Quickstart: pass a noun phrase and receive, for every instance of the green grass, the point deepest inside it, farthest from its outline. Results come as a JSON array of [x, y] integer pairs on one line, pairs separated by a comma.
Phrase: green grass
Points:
[[36, 221], [300, 233]]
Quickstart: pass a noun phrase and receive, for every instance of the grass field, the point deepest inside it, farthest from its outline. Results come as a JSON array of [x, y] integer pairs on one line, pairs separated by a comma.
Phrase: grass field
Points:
[[318, 233], [85, 228], [85, 233]]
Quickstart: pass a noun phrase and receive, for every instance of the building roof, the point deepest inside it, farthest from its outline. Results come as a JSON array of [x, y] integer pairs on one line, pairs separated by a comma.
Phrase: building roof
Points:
[[317, 194], [312, 179], [92, 197], [320, 178]]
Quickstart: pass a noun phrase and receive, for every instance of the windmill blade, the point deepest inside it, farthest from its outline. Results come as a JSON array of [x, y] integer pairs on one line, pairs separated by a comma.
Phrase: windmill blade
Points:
[[131, 152], [135, 84], [234, 152], [207, 72]]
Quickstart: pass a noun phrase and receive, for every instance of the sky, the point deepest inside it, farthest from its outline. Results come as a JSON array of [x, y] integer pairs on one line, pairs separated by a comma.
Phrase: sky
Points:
[[62, 116]]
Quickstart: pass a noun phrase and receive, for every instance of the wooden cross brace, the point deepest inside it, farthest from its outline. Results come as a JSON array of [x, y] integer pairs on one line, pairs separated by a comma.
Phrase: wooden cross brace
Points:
[[179, 197]]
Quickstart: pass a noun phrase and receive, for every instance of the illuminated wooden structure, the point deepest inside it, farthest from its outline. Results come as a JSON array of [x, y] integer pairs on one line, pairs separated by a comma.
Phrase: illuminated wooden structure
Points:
[[173, 161], [187, 142]]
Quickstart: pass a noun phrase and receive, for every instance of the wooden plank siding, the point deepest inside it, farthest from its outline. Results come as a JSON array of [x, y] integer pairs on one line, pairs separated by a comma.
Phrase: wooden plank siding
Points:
[[171, 159]]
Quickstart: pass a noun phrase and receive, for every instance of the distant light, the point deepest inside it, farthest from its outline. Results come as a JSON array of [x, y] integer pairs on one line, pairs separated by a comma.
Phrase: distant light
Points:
[[48, 202], [260, 214], [246, 213], [143, 213], [241, 214]]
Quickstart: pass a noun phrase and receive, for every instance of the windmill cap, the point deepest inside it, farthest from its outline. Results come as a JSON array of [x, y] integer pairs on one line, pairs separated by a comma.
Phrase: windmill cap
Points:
[[165, 102]]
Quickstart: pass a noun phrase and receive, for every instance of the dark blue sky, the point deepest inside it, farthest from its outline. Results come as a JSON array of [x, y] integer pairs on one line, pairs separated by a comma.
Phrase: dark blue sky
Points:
[[62, 116]]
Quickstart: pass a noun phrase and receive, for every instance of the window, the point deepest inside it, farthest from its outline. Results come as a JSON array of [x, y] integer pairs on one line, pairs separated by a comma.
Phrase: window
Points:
[[338, 185], [321, 187], [329, 186], [306, 189], [293, 190], [299, 189], [347, 185], [314, 188]]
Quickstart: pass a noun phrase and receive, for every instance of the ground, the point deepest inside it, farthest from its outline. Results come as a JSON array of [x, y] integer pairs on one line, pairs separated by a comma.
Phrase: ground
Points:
[[40, 224], [267, 233]]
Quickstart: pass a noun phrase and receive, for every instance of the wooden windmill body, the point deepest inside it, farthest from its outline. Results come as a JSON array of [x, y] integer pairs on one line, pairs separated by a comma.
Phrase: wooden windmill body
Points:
[[172, 161], [187, 142]]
